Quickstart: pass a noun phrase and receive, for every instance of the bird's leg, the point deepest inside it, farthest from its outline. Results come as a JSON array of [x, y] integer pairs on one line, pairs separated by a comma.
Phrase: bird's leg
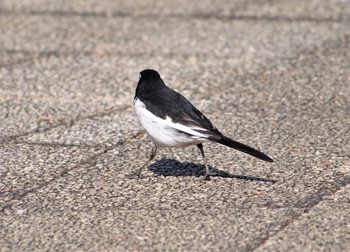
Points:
[[207, 172], [151, 157]]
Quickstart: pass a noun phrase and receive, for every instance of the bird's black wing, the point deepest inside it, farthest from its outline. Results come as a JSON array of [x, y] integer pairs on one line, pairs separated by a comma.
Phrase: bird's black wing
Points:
[[168, 103]]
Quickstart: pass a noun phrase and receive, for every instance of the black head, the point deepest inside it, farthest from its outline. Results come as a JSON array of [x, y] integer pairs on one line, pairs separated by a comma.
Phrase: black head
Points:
[[149, 81], [149, 74]]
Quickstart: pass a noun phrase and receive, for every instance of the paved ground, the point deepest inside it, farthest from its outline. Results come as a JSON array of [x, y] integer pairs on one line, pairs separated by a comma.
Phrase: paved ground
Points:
[[271, 74]]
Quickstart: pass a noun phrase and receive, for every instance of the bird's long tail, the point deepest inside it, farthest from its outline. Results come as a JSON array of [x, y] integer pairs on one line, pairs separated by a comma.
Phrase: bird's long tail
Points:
[[244, 148]]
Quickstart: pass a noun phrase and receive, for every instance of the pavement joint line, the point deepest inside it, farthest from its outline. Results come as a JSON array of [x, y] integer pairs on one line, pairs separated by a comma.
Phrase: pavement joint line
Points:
[[212, 15], [129, 137], [312, 201], [69, 122], [60, 145], [33, 55], [19, 194], [17, 62]]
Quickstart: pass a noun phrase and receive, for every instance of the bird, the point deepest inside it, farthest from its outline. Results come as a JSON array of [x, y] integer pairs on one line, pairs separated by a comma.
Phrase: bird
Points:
[[171, 120]]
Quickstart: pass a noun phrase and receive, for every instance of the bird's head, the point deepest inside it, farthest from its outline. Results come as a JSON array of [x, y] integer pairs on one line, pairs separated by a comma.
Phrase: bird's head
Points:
[[149, 81]]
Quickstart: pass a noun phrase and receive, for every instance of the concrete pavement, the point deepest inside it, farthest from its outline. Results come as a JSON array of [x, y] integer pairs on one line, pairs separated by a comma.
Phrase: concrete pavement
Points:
[[272, 74]]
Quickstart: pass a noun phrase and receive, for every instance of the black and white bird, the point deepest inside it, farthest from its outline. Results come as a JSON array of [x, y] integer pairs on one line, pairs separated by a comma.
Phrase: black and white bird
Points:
[[172, 121]]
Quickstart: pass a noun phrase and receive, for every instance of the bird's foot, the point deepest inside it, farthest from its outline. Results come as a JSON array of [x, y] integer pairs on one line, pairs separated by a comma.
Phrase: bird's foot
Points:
[[208, 174], [134, 174]]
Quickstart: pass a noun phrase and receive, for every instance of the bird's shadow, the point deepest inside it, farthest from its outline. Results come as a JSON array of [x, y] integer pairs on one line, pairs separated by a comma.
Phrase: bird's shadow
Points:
[[172, 167]]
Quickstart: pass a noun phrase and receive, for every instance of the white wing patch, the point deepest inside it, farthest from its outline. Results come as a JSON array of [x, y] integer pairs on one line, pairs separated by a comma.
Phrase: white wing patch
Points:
[[164, 132]]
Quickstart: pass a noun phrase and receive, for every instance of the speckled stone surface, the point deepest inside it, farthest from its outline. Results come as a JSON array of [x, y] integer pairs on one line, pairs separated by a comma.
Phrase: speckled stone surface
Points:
[[272, 74]]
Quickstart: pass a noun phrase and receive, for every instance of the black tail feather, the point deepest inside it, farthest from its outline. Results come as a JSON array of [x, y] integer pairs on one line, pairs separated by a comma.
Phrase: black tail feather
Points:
[[244, 148]]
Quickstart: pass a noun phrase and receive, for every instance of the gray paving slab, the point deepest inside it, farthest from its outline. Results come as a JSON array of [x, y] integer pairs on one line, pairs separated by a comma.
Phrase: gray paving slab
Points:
[[26, 167], [147, 218], [272, 74], [54, 48], [325, 227]]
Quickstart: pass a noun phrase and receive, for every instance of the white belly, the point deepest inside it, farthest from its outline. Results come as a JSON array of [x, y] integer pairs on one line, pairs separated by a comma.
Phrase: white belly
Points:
[[165, 133]]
